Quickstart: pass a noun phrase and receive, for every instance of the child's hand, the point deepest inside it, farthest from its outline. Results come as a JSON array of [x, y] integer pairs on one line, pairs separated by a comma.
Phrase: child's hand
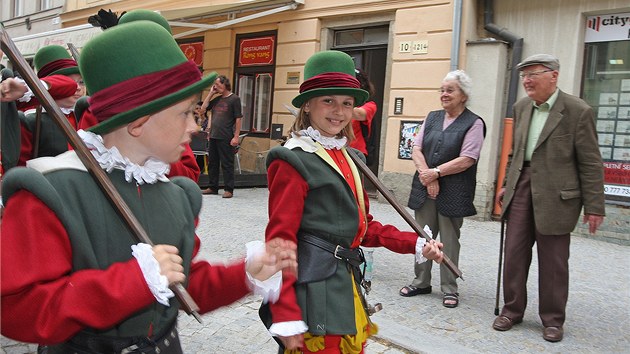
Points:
[[170, 263], [279, 255], [433, 250]]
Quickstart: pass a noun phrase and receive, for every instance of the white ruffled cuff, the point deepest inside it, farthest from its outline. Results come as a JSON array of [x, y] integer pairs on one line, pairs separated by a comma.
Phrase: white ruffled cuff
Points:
[[158, 284], [28, 95], [269, 289], [289, 328], [420, 245]]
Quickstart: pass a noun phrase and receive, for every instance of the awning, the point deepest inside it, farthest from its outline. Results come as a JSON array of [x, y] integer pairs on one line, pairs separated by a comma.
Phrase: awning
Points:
[[179, 17], [77, 35]]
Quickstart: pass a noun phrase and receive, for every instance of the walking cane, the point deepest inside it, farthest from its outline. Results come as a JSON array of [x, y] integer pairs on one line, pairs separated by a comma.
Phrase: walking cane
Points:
[[496, 306], [86, 157]]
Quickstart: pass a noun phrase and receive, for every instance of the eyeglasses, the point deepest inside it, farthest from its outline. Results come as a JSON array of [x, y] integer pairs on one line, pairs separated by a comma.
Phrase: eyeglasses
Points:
[[533, 74]]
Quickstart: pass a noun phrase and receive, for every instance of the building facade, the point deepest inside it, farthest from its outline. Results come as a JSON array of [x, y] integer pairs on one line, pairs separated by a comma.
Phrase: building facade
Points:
[[406, 47]]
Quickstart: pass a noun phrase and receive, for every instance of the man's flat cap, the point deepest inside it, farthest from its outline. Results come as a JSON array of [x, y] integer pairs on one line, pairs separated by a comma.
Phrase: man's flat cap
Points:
[[546, 60]]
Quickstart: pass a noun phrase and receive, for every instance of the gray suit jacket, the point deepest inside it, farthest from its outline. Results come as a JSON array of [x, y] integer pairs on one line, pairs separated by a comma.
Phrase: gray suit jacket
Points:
[[566, 166]]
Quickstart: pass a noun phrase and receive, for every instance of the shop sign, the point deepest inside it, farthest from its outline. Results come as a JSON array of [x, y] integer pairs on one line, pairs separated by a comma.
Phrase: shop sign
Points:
[[617, 173], [193, 51], [256, 51], [605, 28]]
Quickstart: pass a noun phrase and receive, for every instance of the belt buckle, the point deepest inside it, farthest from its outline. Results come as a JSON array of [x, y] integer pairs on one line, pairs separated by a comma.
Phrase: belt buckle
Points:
[[337, 250], [129, 349]]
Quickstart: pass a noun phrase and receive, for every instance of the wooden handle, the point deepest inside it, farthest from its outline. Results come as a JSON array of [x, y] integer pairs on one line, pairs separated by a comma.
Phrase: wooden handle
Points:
[[399, 208]]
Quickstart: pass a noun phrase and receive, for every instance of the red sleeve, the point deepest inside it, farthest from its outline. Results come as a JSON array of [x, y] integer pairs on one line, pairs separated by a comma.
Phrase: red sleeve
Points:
[[287, 193], [186, 166], [213, 286], [370, 111], [87, 120], [388, 236], [60, 86], [43, 300]]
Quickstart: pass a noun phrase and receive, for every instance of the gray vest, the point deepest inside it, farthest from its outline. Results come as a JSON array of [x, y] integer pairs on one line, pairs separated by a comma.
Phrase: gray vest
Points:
[[457, 191]]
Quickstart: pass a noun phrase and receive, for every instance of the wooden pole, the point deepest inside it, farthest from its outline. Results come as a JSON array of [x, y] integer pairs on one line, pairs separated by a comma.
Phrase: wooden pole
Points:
[[399, 208]]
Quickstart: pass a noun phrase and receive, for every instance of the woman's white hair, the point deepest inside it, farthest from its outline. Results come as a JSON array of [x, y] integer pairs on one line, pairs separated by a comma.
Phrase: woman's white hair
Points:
[[463, 81]]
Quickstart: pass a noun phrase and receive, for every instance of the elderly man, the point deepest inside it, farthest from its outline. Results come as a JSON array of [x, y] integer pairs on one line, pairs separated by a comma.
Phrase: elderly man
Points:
[[556, 168]]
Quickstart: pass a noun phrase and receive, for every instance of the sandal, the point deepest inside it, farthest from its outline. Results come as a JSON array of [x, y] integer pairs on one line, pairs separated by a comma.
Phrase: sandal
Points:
[[450, 300], [411, 290]]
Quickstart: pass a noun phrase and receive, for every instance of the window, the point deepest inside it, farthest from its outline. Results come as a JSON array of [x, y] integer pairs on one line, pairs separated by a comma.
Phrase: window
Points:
[[18, 8], [361, 36], [262, 103], [606, 88], [255, 67], [45, 5], [245, 92]]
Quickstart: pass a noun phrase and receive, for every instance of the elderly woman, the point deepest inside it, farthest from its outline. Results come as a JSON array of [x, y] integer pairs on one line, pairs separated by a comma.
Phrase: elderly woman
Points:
[[445, 154]]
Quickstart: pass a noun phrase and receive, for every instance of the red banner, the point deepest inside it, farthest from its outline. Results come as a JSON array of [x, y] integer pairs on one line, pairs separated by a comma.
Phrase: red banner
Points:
[[256, 51], [193, 51]]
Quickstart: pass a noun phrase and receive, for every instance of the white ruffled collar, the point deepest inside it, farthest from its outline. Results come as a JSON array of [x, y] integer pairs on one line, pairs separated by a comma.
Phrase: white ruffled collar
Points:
[[324, 141], [152, 171]]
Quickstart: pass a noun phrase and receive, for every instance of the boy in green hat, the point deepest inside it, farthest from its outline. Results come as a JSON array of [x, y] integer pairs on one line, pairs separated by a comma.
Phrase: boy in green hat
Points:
[[187, 165], [52, 63], [14, 93], [316, 199], [87, 287]]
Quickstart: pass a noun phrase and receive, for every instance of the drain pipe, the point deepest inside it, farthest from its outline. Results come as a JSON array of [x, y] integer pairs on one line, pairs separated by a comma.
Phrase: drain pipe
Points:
[[517, 52], [457, 31]]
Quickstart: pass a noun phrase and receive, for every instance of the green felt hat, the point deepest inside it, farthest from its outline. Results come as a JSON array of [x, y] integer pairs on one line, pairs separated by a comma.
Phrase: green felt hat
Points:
[[148, 15], [130, 51], [51, 54], [329, 61]]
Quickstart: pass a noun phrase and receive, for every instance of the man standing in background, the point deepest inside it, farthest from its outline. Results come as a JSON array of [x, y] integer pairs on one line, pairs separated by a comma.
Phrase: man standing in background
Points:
[[556, 168], [225, 127]]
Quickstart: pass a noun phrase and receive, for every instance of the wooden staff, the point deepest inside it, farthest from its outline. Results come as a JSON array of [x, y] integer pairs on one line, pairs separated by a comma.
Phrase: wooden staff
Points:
[[399, 208], [89, 161], [73, 51], [38, 131]]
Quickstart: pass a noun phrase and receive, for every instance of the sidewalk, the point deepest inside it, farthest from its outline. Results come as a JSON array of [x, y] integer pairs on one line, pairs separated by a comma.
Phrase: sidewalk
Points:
[[598, 315]]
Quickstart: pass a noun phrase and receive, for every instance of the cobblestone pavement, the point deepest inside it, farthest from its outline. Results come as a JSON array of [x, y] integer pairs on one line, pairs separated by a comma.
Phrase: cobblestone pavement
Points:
[[598, 315]]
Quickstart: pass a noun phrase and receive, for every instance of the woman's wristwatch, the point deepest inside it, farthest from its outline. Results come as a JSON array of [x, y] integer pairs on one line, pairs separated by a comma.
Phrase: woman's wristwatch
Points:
[[437, 170]]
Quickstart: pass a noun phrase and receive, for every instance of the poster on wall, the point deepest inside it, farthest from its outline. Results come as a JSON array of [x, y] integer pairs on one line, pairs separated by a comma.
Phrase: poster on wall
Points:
[[408, 132]]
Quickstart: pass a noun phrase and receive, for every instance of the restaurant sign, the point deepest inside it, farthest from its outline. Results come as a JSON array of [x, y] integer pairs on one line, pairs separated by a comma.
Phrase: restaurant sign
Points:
[[193, 51], [256, 51]]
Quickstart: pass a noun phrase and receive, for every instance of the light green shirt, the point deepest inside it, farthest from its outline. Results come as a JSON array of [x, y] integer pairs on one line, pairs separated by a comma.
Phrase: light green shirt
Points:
[[539, 118]]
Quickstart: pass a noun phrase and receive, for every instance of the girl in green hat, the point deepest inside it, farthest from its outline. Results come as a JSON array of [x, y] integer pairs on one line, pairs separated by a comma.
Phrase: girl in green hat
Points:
[[72, 276], [317, 200]]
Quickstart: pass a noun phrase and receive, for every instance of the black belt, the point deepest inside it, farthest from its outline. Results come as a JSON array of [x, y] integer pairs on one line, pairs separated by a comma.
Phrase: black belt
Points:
[[353, 256], [526, 163], [166, 342]]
